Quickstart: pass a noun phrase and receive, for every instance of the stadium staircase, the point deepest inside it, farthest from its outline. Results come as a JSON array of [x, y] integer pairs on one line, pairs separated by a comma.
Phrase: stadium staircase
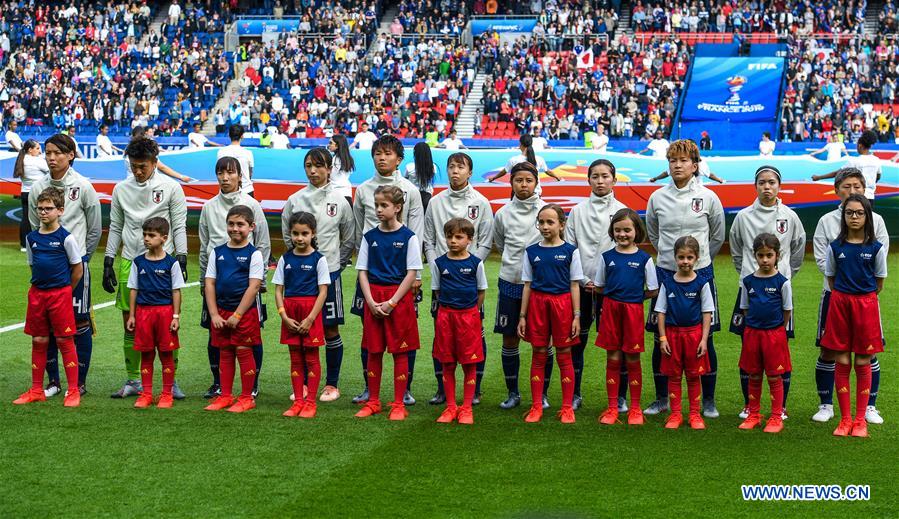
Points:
[[624, 19], [466, 120], [872, 24], [386, 19], [231, 92], [161, 16]]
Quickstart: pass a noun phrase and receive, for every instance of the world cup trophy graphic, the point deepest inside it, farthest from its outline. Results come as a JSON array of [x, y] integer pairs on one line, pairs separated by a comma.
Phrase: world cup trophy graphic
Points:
[[735, 84]]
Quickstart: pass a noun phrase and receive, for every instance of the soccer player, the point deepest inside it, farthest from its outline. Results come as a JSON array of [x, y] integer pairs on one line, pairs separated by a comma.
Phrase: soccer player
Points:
[[588, 230], [848, 181], [55, 259], [866, 162], [243, 155], [301, 280], [768, 214], [685, 306], [551, 272], [82, 219], [387, 154], [513, 231], [135, 200], [459, 284], [684, 207], [855, 267], [766, 303], [526, 154], [154, 316], [388, 263], [335, 232], [232, 281], [214, 232], [461, 200]]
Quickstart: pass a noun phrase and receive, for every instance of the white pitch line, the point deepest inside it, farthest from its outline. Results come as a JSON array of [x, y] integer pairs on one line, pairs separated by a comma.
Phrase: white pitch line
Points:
[[100, 306]]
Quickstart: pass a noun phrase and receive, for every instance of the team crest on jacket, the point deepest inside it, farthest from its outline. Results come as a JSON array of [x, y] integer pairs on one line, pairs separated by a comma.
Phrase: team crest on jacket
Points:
[[696, 205], [473, 212], [157, 196], [331, 209], [781, 226], [74, 193]]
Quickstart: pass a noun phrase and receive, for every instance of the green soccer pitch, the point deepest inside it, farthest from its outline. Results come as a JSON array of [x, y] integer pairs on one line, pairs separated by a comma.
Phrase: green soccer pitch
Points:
[[106, 458]]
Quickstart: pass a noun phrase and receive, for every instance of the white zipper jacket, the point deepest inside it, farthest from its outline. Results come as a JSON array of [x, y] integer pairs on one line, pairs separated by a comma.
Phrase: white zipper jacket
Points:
[[588, 229], [364, 214], [514, 228], [81, 216], [465, 203], [133, 203], [214, 224], [335, 228]]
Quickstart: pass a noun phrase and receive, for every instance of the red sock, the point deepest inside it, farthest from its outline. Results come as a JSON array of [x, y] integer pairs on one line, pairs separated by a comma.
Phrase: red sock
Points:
[[38, 363], [400, 376], [635, 378], [471, 375], [247, 371], [566, 373], [146, 370], [375, 365], [297, 368], [694, 390], [226, 371], [70, 361], [674, 394], [538, 366], [613, 380], [841, 387], [755, 394], [167, 359], [449, 383], [862, 390], [313, 373], [776, 385]]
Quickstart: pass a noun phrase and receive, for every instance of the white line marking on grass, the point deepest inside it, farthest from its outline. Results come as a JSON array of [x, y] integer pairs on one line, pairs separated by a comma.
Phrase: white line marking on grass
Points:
[[11, 214], [100, 306]]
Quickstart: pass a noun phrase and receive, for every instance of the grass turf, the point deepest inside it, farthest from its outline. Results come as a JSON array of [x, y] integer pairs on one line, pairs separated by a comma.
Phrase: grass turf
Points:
[[107, 458]]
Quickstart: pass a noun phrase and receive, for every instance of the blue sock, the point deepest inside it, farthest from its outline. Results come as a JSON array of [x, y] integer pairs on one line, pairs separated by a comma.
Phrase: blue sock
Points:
[[411, 355], [364, 355], [84, 345], [214, 355], [786, 377], [623, 388], [511, 365], [438, 373], [711, 378], [257, 356], [875, 381], [52, 361], [333, 359], [548, 372], [577, 358], [660, 380], [744, 386], [479, 369], [824, 372]]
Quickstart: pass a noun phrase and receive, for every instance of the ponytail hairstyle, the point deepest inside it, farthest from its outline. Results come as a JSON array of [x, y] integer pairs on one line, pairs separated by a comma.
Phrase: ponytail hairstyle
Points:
[[459, 158], [524, 168], [18, 170], [766, 240], [395, 196], [560, 213], [304, 218], [343, 153], [625, 214], [527, 142], [869, 219], [602, 162], [319, 157], [424, 164]]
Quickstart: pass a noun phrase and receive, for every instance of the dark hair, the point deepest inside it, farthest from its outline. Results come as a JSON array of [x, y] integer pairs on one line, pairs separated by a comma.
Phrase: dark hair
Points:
[[455, 225], [63, 142], [868, 139], [766, 240], [227, 164], [559, 212], [528, 143], [601, 162], [424, 164], [686, 242], [394, 195], [142, 148], [846, 173], [525, 167], [767, 134], [54, 195], [138, 131], [765, 168], [460, 158], [242, 211], [157, 224], [304, 218], [388, 142], [343, 153], [103, 126], [624, 214], [319, 157], [18, 171], [869, 219], [235, 132]]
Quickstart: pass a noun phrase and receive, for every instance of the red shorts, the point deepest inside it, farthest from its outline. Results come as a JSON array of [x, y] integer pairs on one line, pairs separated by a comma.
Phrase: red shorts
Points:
[[152, 328], [50, 312], [246, 333], [395, 334], [621, 328], [549, 320], [297, 308], [457, 335], [765, 350], [684, 341], [853, 324]]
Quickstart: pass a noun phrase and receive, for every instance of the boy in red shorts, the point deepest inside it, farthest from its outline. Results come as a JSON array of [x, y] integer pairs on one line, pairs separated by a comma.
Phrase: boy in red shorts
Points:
[[55, 259], [459, 283], [154, 316]]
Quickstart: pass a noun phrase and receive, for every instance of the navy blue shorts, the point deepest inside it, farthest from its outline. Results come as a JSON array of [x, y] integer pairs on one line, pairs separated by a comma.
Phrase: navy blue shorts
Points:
[[81, 295], [708, 273], [591, 308], [507, 311], [736, 319], [332, 312], [822, 315]]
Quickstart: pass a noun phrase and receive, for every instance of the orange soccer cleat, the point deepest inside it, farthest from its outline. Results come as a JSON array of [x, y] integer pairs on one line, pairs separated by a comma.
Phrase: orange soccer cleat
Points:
[[32, 395], [696, 422], [370, 408], [166, 400], [860, 428], [775, 424], [294, 409], [243, 404], [751, 422], [674, 421], [534, 414], [73, 398], [220, 403], [309, 410], [448, 415], [566, 414], [635, 416], [609, 416], [845, 427], [398, 412], [465, 416], [144, 401]]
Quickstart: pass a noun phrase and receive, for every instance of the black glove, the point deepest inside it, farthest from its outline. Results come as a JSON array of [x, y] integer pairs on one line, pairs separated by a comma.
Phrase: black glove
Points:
[[109, 281], [182, 262]]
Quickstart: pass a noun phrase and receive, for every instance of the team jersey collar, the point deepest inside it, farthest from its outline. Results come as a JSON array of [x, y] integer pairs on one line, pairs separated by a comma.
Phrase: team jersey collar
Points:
[[231, 199], [528, 203], [462, 193], [757, 206], [601, 202], [689, 188], [62, 180], [150, 181], [386, 180]]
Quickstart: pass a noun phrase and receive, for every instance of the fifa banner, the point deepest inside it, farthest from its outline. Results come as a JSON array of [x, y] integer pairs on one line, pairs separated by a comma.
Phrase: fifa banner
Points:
[[258, 27], [279, 173], [733, 89], [481, 25]]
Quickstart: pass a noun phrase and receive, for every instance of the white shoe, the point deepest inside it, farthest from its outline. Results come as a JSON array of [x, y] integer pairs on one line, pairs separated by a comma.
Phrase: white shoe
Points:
[[744, 414], [872, 415], [825, 413], [22, 249], [51, 390], [622, 405], [293, 397]]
